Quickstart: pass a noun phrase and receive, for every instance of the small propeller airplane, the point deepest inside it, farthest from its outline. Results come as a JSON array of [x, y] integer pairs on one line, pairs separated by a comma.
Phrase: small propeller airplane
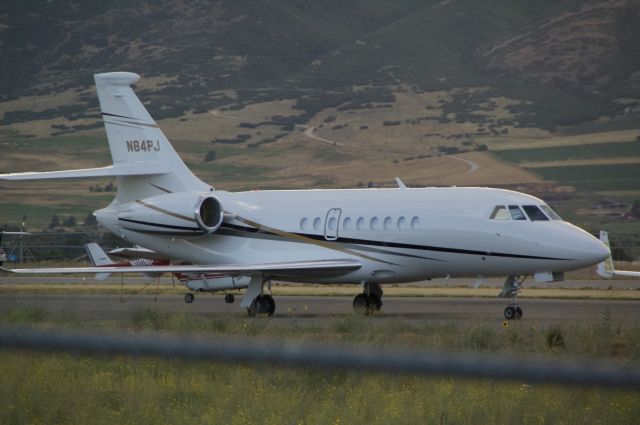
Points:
[[140, 257], [606, 268], [351, 236]]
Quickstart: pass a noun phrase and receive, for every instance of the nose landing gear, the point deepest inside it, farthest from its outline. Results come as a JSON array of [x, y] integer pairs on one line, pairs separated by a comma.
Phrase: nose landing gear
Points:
[[512, 286]]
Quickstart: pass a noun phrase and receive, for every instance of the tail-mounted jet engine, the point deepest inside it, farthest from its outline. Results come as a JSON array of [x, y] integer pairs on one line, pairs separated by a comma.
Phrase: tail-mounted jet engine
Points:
[[182, 214]]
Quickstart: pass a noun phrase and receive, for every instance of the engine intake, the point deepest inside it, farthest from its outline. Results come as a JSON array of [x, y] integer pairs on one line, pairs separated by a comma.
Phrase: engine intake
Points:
[[209, 213], [181, 214]]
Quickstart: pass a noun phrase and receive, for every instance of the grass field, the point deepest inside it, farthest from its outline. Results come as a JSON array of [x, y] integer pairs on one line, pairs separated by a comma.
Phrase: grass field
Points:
[[62, 388], [560, 153], [612, 293], [595, 177]]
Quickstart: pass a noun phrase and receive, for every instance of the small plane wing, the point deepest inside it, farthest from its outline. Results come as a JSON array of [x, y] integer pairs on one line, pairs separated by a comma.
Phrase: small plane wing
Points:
[[295, 268], [606, 268]]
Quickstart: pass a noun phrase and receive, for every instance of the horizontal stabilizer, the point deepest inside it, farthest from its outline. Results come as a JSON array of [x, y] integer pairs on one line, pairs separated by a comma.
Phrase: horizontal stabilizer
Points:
[[137, 252], [296, 268], [130, 169]]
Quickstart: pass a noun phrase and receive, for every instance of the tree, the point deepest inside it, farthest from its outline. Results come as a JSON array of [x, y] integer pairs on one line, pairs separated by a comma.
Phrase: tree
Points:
[[55, 222], [69, 221], [210, 156], [90, 220]]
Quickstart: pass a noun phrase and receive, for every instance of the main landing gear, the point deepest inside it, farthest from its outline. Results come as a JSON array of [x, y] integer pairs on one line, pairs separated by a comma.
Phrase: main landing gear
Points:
[[262, 304], [512, 286], [369, 300], [255, 300]]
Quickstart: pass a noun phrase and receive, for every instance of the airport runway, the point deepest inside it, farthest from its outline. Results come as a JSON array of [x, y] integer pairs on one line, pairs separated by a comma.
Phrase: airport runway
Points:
[[306, 309]]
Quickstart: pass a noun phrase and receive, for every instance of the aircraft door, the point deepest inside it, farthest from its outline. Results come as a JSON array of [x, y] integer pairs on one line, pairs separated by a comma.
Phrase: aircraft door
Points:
[[331, 224]]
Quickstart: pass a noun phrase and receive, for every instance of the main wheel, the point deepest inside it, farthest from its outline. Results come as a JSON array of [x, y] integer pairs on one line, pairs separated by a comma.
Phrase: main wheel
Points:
[[271, 304], [518, 313], [375, 302], [189, 297], [509, 312], [256, 306], [361, 304], [229, 298]]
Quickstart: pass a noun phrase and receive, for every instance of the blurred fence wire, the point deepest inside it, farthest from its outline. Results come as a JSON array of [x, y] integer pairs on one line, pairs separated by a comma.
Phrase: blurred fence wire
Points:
[[410, 362]]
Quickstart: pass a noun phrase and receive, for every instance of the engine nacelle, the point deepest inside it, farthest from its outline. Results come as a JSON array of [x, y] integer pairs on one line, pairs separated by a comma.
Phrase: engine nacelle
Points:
[[179, 214]]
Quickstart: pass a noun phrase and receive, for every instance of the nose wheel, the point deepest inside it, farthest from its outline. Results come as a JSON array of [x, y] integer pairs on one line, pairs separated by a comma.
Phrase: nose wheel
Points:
[[511, 288], [513, 313]]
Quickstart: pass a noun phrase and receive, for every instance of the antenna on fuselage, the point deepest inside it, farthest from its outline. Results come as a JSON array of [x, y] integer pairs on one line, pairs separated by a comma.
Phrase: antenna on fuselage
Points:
[[401, 185]]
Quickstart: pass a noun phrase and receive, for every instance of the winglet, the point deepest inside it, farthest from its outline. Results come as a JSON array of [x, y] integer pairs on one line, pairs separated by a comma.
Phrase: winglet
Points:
[[401, 185]]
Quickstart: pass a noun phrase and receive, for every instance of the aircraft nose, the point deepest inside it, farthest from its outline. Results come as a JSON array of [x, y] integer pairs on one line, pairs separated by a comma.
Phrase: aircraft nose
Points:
[[599, 251], [593, 251]]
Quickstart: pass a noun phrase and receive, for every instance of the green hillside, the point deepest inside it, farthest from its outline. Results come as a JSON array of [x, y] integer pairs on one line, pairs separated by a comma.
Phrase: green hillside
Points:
[[291, 48], [349, 93]]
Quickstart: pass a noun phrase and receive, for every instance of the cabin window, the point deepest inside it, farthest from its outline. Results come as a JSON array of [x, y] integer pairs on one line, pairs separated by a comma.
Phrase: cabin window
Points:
[[500, 213], [303, 223], [550, 212], [401, 222], [387, 223], [346, 223], [415, 221], [534, 213], [316, 224], [373, 224], [360, 223], [332, 223], [516, 213]]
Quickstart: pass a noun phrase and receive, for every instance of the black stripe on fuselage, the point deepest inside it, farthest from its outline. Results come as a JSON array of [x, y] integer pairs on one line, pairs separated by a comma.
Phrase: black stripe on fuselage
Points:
[[401, 245], [164, 226], [239, 232]]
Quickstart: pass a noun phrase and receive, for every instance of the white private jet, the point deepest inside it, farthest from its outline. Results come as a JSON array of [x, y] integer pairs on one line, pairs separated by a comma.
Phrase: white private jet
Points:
[[606, 268], [353, 236]]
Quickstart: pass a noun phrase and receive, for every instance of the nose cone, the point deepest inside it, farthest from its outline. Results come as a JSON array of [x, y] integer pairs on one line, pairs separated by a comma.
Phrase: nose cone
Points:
[[588, 250], [598, 251]]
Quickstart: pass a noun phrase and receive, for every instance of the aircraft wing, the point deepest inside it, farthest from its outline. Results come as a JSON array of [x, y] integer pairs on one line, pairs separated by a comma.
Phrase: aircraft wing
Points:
[[289, 269]]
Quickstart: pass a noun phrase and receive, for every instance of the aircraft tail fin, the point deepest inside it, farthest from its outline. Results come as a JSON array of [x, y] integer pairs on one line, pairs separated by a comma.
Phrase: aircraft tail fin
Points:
[[144, 162], [98, 258], [135, 139], [606, 268]]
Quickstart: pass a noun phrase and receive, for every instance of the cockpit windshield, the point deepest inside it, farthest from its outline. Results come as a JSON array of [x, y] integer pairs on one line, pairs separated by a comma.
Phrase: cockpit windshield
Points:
[[534, 213], [551, 213], [516, 213], [523, 212]]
